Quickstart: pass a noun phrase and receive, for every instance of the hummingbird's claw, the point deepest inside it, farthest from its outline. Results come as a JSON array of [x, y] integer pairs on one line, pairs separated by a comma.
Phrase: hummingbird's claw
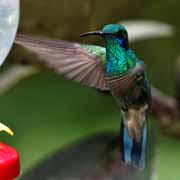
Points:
[[6, 129]]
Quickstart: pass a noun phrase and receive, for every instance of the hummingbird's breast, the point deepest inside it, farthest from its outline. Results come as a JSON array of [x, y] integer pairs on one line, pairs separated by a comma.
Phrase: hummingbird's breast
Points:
[[125, 76], [129, 91]]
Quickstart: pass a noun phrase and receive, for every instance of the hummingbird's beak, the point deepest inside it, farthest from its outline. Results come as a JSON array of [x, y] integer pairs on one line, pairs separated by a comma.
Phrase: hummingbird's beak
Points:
[[97, 33]]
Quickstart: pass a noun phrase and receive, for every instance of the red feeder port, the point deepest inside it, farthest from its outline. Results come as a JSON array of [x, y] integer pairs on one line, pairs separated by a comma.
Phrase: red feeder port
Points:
[[9, 163]]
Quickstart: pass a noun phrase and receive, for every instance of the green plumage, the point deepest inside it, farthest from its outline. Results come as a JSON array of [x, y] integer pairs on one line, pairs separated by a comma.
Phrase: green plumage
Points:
[[98, 51], [128, 58]]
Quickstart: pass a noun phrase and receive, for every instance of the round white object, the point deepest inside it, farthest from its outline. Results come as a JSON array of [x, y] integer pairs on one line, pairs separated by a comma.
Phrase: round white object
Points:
[[9, 20]]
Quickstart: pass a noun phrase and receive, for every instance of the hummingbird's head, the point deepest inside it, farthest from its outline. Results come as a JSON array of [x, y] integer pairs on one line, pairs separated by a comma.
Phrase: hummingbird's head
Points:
[[115, 32]]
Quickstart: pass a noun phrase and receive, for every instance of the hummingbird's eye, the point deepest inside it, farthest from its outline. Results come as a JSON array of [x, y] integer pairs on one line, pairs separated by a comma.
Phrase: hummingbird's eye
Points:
[[122, 34], [119, 33]]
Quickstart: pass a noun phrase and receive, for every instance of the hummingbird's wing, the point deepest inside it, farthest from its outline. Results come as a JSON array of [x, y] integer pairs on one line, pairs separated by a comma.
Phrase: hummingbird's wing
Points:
[[128, 82], [82, 63]]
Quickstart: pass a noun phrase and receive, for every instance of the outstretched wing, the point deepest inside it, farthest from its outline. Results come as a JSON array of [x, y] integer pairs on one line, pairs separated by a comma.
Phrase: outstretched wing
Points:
[[82, 63]]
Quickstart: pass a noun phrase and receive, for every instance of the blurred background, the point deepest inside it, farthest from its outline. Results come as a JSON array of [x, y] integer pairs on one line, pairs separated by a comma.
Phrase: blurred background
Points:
[[47, 111]]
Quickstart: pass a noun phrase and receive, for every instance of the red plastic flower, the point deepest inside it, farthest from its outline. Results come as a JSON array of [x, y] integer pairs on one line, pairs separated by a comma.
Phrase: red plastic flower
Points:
[[9, 159]]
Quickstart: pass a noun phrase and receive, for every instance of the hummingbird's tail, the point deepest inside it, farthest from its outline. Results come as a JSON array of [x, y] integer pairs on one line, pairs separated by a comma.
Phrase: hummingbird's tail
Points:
[[132, 152]]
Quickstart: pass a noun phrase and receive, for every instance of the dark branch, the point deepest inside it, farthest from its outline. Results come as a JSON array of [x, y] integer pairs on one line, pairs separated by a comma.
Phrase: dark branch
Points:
[[164, 108]]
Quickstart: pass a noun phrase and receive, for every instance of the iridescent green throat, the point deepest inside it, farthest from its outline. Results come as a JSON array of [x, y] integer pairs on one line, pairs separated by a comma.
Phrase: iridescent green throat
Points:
[[118, 59]]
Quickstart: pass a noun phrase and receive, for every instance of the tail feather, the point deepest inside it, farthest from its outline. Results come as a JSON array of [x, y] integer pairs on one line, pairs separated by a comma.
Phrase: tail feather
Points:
[[133, 153]]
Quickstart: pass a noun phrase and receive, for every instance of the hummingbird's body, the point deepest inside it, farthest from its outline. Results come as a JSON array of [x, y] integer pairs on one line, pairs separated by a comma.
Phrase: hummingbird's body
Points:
[[132, 92], [115, 68], [127, 82]]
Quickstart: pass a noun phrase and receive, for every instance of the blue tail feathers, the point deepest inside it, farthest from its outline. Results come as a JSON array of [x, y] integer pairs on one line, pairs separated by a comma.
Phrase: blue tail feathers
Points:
[[132, 152]]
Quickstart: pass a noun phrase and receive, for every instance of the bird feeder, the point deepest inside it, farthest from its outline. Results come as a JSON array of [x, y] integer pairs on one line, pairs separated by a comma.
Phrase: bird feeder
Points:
[[9, 159]]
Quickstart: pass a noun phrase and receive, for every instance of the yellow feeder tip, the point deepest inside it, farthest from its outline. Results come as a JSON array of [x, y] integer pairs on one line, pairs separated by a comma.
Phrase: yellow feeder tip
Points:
[[6, 129]]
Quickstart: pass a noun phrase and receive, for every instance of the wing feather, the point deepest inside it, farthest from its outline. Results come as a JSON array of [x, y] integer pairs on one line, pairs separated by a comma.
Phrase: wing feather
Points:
[[72, 60], [121, 85]]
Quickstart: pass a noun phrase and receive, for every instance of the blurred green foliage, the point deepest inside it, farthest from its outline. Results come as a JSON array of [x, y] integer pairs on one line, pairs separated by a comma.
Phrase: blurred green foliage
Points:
[[47, 111]]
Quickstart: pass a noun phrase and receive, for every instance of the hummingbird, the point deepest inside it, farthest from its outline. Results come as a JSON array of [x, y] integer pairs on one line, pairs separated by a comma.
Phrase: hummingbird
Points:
[[114, 68]]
